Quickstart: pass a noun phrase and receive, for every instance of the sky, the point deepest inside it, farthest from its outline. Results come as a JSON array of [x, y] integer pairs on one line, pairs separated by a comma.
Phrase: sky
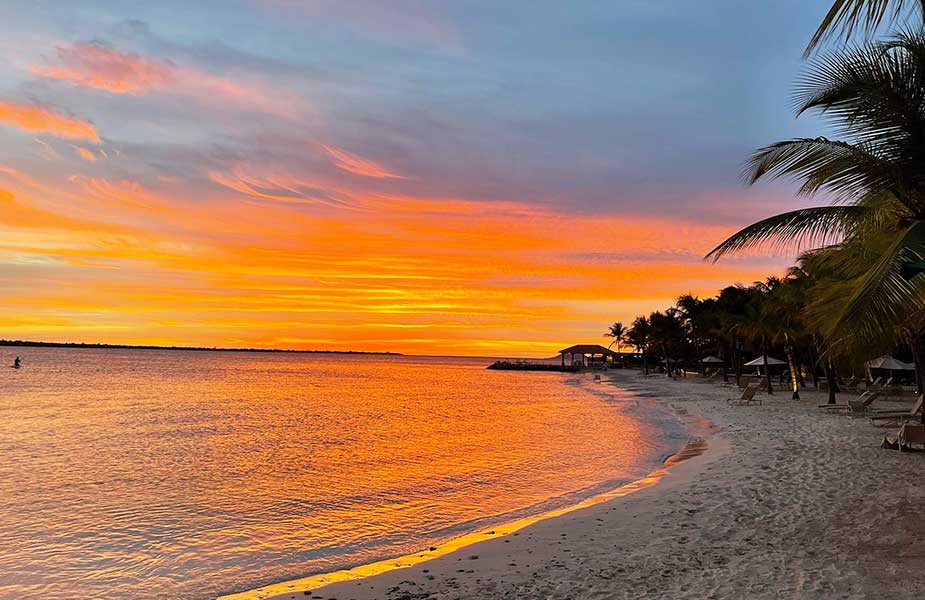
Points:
[[434, 177]]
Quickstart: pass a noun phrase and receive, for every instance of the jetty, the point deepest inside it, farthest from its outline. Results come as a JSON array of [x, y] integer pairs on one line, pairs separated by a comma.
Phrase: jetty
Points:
[[522, 365]]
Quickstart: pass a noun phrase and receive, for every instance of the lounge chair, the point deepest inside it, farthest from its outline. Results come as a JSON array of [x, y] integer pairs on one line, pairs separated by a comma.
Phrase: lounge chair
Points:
[[851, 385], [887, 418], [903, 439], [892, 390], [857, 407], [747, 397]]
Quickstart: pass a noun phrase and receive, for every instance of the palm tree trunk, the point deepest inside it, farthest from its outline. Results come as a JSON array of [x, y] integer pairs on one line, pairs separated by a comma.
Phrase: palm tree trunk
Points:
[[793, 372], [800, 376], [645, 364], [667, 360], [726, 354], [835, 378], [829, 376], [738, 364], [767, 373], [918, 355]]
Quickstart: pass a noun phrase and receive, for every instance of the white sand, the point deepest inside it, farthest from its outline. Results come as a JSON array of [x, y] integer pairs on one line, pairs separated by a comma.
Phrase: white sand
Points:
[[786, 503]]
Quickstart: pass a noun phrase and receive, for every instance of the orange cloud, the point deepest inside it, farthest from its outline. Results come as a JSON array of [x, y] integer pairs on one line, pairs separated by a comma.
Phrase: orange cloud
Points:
[[37, 119], [124, 262], [85, 154], [358, 165], [97, 66]]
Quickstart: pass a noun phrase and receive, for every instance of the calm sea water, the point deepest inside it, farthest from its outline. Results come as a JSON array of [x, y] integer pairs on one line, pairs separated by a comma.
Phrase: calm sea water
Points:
[[160, 474]]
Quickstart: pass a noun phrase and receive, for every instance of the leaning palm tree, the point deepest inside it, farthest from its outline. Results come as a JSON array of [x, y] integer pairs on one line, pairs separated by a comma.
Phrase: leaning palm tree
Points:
[[617, 331], [874, 96], [846, 16]]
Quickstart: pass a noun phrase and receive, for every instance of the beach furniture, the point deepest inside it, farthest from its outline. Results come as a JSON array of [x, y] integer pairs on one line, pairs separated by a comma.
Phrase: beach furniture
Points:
[[851, 385], [908, 435], [857, 407], [887, 418], [747, 397]]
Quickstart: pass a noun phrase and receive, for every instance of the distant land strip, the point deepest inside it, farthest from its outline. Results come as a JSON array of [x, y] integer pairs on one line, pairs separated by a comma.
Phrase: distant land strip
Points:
[[31, 344]]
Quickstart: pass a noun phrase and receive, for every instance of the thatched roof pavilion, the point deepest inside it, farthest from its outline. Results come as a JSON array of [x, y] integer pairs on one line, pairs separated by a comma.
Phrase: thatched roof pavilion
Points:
[[589, 350]]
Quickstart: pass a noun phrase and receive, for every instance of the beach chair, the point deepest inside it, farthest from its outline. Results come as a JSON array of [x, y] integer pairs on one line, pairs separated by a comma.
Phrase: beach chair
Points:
[[874, 384], [904, 439], [851, 385], [892, 389], [857, 407], [888, 418], [747, 397]]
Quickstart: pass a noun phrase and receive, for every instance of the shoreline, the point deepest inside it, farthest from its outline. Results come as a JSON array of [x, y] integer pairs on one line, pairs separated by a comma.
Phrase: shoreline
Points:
[[697, 447], [789, 502]]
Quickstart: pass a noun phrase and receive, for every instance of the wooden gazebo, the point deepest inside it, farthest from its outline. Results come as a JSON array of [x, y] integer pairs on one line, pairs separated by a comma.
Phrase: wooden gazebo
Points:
[[589, 350]]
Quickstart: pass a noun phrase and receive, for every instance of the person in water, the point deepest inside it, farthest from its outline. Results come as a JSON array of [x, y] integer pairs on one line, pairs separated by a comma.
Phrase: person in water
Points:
[[17, 363]]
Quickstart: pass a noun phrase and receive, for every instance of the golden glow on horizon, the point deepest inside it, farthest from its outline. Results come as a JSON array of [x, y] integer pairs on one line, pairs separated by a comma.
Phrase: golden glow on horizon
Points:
[[412, 275]]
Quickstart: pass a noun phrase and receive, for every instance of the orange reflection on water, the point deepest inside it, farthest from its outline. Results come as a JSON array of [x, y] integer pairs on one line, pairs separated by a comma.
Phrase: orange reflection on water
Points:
[[201, 473], [314, 582]]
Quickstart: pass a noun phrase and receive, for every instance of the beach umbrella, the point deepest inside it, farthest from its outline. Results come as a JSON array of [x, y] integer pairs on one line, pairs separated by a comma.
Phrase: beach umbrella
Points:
[[890, 363], [759, 362], [712, 360]]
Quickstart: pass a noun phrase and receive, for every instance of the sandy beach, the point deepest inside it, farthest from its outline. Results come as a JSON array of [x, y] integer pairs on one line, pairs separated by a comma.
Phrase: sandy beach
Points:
[[786, 502]]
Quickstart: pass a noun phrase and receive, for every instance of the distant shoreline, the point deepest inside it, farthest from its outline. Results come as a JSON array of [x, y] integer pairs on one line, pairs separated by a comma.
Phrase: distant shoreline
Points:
[[31, 344]]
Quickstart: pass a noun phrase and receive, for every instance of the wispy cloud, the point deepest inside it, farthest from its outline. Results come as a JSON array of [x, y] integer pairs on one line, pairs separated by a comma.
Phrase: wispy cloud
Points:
[[97, 66], [85, 154], [358, 165], [38, 119]]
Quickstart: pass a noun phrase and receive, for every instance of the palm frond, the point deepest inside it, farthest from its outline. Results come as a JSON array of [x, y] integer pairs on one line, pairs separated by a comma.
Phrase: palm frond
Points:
[[794, 229], [847, 15], [882, 298], [871, 93], [847, 171]]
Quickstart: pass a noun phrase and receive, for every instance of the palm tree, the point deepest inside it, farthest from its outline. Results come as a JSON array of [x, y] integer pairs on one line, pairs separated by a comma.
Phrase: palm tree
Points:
[[785, 304], [618, 332], [639, 336], [667, 333], [847, 15], [875, 97], [757, 324], [730, 308]]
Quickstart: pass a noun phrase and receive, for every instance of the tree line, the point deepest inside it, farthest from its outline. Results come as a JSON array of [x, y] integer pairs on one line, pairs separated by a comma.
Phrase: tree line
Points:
[[857, 289]]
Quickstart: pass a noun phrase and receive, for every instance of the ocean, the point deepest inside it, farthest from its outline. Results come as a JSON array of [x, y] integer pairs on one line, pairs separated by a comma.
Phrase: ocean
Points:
[[171, 474]]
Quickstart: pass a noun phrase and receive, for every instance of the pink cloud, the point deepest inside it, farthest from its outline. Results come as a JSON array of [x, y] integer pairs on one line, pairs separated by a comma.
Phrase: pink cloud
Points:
[[97, 66], [279, 186], [358, 165]]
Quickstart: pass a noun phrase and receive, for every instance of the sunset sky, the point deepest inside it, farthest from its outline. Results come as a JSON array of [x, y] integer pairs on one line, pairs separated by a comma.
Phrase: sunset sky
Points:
[[439, 177]]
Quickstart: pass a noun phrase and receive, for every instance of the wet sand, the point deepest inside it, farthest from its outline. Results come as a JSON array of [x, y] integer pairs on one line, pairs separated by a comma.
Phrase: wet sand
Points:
[[787, 502]]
